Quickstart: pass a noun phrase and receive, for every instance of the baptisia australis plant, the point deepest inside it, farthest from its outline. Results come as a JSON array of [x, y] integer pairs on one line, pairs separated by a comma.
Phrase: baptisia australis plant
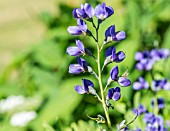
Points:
[[145, 62], [87, 13]]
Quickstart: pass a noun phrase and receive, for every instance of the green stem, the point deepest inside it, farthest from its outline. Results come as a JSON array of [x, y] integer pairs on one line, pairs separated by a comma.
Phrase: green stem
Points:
[[100, 78]]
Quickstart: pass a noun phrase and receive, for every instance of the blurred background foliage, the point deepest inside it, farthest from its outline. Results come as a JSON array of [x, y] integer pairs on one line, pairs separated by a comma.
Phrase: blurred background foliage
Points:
[[40, 71]]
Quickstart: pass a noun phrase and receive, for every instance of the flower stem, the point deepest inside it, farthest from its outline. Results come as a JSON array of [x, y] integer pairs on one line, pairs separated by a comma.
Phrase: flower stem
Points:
[[101, 89]]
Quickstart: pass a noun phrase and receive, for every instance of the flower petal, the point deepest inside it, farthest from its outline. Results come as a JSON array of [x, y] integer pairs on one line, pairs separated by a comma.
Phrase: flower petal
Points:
[[123, 81], [75, 69], [89, 10], [74, 30], [114, 73], [82, 25], [100, 11], [137, 86], [120, 56], [120, 36], [79, 89], [82, 63], [109, 10], [109, 51], [74, 13], [80, 45], [73, 51], [116, 96], [87, 83], [110, 93]]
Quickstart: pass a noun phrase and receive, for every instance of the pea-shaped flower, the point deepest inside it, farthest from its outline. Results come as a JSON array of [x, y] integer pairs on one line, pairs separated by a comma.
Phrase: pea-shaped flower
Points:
[[78, 50], [159, 101], [81, 29], [113, 93], [88, 87], [102, 11], [141, 109], [86, 11], [122, 80], [112, 56], [112, 35], [78, 68], [141, 84], [159, 84]]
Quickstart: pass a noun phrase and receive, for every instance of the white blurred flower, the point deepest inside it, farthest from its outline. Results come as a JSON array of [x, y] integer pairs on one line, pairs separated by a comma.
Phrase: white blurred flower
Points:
[[21, 119], [10, 103]]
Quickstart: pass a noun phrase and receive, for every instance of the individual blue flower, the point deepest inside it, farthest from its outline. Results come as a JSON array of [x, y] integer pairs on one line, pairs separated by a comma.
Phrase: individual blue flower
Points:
[[81, 29], [137, 129], [114, 93], [159, 101], [157, 54], [122, 80], [112, 56], [112, 35], [87, 87], [159, 84], [144, 61], [145, 64], [86, 12], [102, 11], [148, 117], [78, 50], [141, 84], [78, 68], [141, 109]]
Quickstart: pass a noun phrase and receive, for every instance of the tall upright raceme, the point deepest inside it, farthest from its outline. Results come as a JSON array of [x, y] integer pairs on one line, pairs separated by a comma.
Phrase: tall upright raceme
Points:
[[85, 14]]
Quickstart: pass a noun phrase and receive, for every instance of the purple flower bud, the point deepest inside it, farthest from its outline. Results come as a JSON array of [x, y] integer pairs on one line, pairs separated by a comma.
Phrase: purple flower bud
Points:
[[114, 93], [111, 35], [87, 84], [141, 109], [159, 102], [78, 68], [86, 12], [102, 11], [145, 64], [78, 30], [141, 84]]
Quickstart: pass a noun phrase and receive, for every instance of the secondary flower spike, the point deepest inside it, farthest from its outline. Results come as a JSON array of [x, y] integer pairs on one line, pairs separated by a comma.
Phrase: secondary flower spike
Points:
[[102, 11], [114, 93], [81, 29], [78, 68], [87, 87], [122, 80], [78, 50], [112, 35], [86, 12]]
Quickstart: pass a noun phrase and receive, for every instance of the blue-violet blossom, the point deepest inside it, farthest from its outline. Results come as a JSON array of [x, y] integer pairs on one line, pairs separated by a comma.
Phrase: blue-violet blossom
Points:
[[141, 84], [102, 11], [79, 50], [78, 68], [122, 80], [81, 29], [112, 35], [88, 87], [112, 56], [159, 101], [113, 93], [86, 12]]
